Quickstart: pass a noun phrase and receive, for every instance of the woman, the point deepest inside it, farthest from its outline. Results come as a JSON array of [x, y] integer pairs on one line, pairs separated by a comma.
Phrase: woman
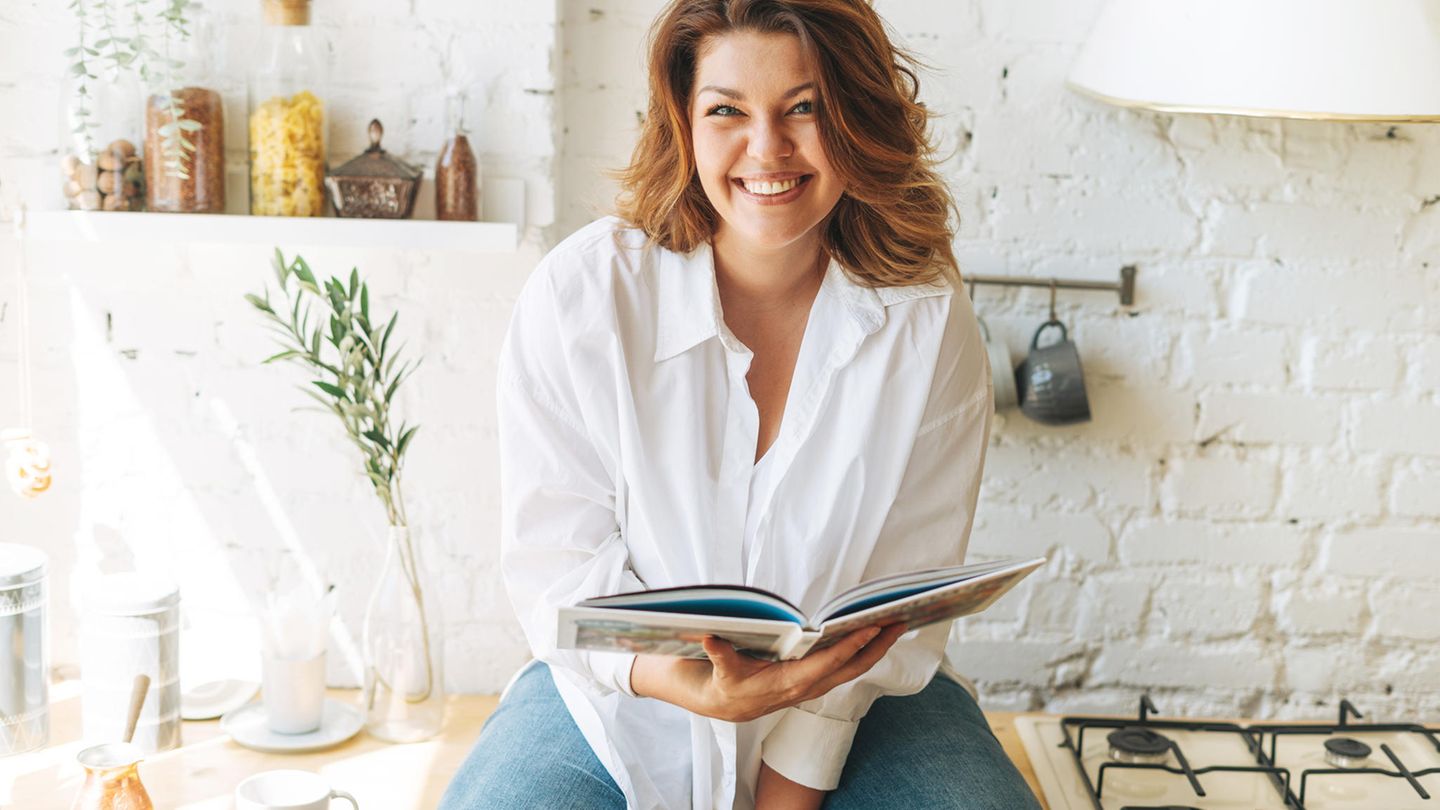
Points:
[[759, 373]]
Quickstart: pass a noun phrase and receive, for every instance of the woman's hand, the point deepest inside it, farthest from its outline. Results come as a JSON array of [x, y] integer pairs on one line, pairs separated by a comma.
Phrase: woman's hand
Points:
[[734, 687]]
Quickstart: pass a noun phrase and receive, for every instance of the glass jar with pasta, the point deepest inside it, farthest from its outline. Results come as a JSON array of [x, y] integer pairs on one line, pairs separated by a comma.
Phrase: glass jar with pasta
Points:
[[287, 119]]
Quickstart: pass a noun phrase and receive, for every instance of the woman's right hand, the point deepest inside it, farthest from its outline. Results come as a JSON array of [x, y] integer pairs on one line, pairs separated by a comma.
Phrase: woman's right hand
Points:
[[734, 687]]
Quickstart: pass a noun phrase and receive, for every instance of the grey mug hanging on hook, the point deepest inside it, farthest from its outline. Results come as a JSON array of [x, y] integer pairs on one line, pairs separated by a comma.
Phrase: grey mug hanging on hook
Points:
[[1050, 382]]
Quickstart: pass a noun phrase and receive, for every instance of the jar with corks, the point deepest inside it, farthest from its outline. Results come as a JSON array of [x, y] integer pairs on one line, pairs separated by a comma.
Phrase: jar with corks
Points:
[[185, 133], [102, 167], [287, 122]]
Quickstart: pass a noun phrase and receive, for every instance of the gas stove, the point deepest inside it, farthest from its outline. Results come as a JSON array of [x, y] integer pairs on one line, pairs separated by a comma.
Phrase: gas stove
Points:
[[1149, 763]]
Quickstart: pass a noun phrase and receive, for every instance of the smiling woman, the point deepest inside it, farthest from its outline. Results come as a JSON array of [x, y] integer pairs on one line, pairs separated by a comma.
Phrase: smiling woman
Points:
[[854, 120], [757, 374]]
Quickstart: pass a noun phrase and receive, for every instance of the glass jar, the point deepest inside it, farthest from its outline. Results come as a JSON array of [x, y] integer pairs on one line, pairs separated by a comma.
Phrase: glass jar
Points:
[[131, 626], [185, 132], [457, 175], [102, 168], [286, 112], [403, 637]]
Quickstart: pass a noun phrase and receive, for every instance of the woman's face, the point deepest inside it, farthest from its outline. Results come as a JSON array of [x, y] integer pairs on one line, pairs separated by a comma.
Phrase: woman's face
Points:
[[756, 132]]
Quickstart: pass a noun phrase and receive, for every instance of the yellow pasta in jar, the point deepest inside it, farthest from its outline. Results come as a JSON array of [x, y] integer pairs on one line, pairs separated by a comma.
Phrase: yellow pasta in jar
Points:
[[287, 157]]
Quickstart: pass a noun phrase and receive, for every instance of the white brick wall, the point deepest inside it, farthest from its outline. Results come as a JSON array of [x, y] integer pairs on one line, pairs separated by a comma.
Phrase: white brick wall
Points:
[[1250, 525]]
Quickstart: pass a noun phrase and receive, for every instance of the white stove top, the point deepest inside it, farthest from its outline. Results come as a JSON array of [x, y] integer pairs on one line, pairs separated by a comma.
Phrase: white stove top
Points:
[[1153, 789]]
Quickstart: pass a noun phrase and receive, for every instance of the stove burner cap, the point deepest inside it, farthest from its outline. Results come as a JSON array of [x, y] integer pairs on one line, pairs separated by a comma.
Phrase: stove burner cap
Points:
[[1138, 745], [1345, 752]]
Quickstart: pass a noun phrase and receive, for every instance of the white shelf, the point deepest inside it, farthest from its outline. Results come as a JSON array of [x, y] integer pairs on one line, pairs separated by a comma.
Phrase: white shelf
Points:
[[282, 232]]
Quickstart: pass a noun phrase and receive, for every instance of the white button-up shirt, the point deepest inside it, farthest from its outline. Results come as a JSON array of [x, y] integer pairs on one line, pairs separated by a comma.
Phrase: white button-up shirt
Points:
[[627, 440]]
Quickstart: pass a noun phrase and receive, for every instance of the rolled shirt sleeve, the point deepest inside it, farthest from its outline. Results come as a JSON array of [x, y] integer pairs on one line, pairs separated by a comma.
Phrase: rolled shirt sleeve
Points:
[[928, 525], [560, 539]]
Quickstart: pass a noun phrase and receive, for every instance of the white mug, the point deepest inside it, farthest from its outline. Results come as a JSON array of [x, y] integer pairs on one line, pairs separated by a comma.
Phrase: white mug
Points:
[[294, 693], [288, 790]]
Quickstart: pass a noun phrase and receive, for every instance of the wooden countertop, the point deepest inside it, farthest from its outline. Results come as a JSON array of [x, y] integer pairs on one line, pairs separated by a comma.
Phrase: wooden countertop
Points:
[[203, 772]]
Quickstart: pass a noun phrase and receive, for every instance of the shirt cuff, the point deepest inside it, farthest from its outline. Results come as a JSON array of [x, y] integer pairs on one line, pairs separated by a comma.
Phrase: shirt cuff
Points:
[[612, 669], [807, 748]]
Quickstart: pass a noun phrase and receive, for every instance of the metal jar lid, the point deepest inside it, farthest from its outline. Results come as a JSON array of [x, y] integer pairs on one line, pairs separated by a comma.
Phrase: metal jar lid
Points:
[[20, 565], [376, 162], [131, 594]]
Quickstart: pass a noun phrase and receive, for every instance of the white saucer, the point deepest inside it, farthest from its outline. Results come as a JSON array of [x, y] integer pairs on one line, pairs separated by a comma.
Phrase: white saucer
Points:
[[247, 727], [216, 698]]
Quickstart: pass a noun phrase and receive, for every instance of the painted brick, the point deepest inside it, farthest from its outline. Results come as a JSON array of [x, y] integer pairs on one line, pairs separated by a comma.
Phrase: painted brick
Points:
[[1269, 418], [1053, 607], [1417, 493], [1408, 553], [1128, 663], [1341, 299], [1192, 541], [1316, 611], [1014, 533], [1350, 364], [1424, 367], [1410, 428], [1228, 355], [1312, 490], [1297, 232], [1113, 605], [1205, 608], [1221, 486], [1411, 611], [1010, 661]]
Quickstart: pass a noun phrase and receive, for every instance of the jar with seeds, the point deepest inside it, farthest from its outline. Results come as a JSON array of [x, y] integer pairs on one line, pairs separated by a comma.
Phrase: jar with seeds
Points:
[[185, 133]]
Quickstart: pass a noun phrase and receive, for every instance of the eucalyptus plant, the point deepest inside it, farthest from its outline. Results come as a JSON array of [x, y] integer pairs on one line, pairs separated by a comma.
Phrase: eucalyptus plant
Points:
[[326, 329], [139, 36], [357, 370]]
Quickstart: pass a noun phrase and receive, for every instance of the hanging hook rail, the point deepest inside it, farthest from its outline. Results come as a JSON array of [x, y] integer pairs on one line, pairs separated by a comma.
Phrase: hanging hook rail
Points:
[[1125, 286]]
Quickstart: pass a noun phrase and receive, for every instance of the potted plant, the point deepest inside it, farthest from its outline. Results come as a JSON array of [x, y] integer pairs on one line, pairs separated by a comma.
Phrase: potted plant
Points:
[[356, 371]]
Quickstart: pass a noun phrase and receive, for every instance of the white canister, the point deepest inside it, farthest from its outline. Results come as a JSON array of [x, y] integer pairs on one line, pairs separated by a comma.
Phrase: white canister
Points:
[[131, 626], [24, 654]]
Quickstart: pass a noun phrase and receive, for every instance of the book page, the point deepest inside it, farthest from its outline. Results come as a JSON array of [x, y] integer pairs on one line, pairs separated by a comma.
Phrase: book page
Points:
[[934, 605], [679, 634]]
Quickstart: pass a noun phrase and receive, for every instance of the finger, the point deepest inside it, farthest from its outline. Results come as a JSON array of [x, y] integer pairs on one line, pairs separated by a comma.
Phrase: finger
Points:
[[723, 655], [862, 661], [818, 664]]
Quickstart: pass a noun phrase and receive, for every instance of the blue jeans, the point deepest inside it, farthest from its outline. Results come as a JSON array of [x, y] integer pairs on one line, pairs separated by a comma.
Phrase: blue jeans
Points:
[[928, 750]]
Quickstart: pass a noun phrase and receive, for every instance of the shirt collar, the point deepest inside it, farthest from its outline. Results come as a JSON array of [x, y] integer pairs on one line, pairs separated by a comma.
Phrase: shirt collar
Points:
[[689, 300]]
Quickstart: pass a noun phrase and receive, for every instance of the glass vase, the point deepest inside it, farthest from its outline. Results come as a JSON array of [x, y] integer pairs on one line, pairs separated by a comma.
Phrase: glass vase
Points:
[[404, 695]]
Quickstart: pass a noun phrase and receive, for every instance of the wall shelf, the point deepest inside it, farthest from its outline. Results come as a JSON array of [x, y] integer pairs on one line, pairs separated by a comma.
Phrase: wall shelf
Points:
[[283, 232]]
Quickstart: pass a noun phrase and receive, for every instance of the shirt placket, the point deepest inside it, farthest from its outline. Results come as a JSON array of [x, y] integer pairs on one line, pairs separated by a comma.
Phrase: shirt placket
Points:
[[742, 430]]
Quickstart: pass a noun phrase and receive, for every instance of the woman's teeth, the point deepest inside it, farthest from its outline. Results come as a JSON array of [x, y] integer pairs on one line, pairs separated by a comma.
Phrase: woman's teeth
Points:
[[766, 188]]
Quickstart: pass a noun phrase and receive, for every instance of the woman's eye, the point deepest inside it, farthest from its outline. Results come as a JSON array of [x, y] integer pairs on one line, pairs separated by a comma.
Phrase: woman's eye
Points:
[[804, 107], [723, 110]]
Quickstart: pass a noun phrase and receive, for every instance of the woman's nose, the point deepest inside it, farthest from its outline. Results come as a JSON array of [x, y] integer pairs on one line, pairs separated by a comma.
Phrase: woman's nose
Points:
[[769, 141]]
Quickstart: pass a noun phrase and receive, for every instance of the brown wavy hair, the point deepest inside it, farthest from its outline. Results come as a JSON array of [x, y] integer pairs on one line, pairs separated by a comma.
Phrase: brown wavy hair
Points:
[[893, 225]]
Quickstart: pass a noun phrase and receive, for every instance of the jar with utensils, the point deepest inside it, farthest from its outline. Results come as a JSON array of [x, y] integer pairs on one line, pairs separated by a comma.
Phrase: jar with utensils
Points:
[[24, 655], [131, 627]]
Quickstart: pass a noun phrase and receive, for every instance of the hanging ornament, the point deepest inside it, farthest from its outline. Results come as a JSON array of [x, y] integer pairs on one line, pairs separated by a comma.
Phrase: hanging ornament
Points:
[[27, 460], [27, 463]]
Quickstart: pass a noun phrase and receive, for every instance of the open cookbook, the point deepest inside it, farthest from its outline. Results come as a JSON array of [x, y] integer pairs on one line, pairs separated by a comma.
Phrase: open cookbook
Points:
[[673, 621]]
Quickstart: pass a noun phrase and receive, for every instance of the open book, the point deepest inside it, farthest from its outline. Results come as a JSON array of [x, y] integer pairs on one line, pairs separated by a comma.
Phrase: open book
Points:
[[672, 621]]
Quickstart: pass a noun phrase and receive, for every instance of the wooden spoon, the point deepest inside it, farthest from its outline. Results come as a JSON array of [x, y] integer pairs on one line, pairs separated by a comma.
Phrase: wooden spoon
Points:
[[137, 702]]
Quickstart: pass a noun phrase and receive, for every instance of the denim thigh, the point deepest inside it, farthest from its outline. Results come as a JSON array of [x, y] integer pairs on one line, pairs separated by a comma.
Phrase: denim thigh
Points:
[[932, 749], [532, 755]]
